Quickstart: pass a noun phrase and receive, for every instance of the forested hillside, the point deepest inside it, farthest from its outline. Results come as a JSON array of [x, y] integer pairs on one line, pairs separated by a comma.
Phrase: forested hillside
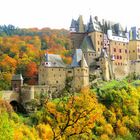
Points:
[[111, 113], [21, 51]]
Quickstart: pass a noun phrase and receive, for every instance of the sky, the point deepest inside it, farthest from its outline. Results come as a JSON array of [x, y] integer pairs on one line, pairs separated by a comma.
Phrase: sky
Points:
[[58, 13]]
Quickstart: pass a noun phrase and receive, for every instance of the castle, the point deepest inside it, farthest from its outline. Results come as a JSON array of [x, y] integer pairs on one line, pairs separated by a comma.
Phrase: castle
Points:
[[99, 47], [107, 46], [53, 77]]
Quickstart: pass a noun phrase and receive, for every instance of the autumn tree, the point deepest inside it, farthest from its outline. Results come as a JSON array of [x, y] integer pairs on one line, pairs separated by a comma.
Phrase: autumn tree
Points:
[[73, 117], [31, 73]]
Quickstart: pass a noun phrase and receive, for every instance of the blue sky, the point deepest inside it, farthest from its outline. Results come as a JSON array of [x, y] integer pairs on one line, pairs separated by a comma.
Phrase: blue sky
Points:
[[58, 13]]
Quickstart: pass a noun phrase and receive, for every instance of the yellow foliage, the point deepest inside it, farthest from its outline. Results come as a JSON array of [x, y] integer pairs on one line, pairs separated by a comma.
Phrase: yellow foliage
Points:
[[76, 116], [23, 132], [45, 132], [108, 129], [123, 131], [104, 137]]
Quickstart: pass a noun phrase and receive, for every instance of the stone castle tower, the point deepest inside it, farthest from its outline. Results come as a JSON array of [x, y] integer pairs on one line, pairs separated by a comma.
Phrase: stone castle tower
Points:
[[52, 71], [104, 65], [80, 70]]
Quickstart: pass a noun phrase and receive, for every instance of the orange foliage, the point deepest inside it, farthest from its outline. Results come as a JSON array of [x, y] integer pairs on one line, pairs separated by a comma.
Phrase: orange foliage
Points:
[[31, 73], [77, 116]]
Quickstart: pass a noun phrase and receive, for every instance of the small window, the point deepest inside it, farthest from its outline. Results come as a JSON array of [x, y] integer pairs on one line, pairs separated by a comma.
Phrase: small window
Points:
[[98, 49], [59, 69], [56, 81], [114, 49], [125, 50], [133, 50], [120, 50], [69, 71], [98, 42], [101, 43], [52, 69], [120, 57], [100, 35]]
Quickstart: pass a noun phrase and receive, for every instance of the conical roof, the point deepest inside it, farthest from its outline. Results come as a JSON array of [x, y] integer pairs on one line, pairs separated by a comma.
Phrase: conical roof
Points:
[[87, 45], [83, 62], [78, 59], [73, 24], [81, 26]]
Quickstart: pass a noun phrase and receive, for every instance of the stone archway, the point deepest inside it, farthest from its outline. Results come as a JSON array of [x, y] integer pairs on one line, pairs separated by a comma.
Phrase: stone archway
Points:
[[18, 107]]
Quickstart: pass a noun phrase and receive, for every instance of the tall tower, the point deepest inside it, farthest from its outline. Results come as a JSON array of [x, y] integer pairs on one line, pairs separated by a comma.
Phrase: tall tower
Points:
[[80, 70], [77, 32], [104, 65]]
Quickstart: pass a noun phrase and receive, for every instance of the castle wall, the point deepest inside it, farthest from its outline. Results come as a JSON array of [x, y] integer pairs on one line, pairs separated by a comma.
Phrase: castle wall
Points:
[[121, 54], [27, 93], [34, 92], [97, 39], [134, 50], [80, 78], [52, 76], [10, 96], [135, 67], [90, 58]]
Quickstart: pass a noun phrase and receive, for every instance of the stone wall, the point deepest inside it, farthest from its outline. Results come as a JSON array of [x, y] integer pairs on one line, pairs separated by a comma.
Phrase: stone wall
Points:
[[10, 95], [52, 76], [134, 67]]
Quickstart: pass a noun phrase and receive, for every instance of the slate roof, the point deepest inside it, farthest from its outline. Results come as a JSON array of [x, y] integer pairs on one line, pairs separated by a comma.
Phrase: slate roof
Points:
[[73, 24], [17, 77], [54, 60], [78, 59], [87, 45]]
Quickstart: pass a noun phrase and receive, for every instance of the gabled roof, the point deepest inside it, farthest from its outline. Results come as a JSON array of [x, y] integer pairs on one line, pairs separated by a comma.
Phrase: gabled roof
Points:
[[87, 45], [17, 77], [54, 60], [78, 59]]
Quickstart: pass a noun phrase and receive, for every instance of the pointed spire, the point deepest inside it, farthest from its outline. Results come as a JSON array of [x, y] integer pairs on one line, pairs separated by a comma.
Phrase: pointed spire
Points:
[[81, 27], [73, 26], [126, 30], [90, 19], [83, 62]]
